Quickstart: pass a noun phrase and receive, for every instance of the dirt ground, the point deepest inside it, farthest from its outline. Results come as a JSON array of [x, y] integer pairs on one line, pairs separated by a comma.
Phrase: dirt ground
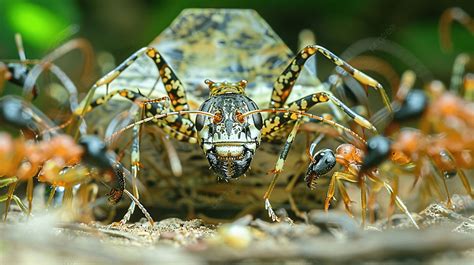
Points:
[[446, 237]]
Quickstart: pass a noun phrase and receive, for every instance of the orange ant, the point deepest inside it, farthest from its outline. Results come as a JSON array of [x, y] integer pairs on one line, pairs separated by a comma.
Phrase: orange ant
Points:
[[444, 144], [430, 154], [350, 158], [56, 159]]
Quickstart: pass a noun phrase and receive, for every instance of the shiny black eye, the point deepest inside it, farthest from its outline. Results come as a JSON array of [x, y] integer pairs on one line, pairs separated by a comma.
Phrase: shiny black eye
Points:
[[257, 120], [200, 118], [257, 117]]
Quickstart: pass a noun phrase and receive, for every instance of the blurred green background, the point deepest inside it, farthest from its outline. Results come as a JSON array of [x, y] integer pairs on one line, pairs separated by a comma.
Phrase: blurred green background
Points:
[[122, 26]]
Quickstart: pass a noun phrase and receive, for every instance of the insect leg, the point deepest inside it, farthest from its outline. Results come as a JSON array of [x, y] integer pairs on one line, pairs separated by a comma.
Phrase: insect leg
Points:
[[135, 162], [363, 198], [278, 168], [173, 86], [459, 69], [9, 197], [270, 127], [398, 201], [18, 202], [178, 127], [337, 178], [448, 16], [305, 103], [285, 82]]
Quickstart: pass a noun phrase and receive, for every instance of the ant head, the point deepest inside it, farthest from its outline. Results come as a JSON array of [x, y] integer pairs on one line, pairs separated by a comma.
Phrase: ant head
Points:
[[378, 149], [412, 107], [322, 162]]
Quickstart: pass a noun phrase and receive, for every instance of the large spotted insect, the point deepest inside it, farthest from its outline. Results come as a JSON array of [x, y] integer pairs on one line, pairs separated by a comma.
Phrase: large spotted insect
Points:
[[228, 125]]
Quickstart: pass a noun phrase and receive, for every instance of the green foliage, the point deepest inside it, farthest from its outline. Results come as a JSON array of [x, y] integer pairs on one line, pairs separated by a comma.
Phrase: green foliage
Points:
[[43, 24]]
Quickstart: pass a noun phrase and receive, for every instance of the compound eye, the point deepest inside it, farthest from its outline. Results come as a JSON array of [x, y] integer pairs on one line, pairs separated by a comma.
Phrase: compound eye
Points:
[[239, 117], [217, 117], [257, 120], [199, 122], [200, 119]]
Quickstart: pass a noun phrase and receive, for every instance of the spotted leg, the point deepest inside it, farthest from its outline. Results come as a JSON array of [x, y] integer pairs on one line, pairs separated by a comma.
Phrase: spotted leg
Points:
[[275, 123], [177, 126], [278, 168], [135, 162], [171, 82], [285, 82]]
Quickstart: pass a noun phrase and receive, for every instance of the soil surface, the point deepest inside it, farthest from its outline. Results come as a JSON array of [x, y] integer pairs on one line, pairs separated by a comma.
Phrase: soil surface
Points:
[[446, 236]]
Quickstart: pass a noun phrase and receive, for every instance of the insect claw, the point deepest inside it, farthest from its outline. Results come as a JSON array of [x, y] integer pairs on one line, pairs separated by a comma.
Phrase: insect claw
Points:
[[270, 211]]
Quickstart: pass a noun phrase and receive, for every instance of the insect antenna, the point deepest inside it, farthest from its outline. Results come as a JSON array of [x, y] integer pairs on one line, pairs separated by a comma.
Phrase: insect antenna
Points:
[[158, 116], [298, 113]]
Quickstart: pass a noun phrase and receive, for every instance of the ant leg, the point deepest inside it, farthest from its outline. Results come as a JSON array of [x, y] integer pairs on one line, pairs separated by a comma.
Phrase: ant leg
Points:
[[9, 197], [459, 68], [448, 159], [7, 181], [448, 195], [278, 168], [330, 193], [285, 82], [345, 197], [398, 201], [391, 207], [29, 194], [294, 207], [5, 198], [337, 178], [47, 64], [450, 14], [468, 87], [363, 198], [377, 65], [4, 182], [4, 76], [465, 182]]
